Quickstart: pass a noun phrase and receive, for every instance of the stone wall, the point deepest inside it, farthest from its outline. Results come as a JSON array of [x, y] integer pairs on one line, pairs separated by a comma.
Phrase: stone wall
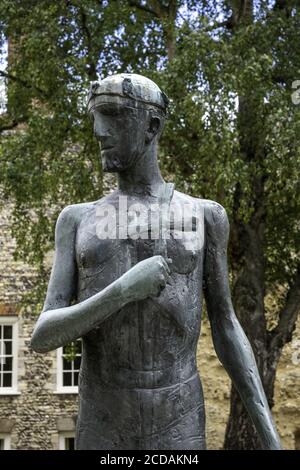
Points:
[[37, 415], [216, 385]]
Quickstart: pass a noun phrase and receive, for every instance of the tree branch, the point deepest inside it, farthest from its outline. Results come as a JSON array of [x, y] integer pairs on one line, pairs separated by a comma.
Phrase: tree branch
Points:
[[25, 83], [145, 8], [92, 71], [282, 333], [241, 12], [284, 6], [8, 126]]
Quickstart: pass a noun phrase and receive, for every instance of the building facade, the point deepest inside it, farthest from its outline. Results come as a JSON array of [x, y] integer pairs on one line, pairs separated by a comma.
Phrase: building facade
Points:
[[38, 392]]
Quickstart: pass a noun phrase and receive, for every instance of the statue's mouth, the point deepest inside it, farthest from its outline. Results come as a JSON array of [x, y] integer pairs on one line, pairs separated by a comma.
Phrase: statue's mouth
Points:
[[108, 147]]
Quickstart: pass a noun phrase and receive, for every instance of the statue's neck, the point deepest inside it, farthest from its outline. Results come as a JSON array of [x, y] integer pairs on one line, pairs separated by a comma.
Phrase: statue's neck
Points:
[[144, 177]]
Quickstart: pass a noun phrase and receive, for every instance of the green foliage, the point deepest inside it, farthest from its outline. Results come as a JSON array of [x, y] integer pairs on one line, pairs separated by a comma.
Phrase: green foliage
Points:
[[205, 137], [57, 48], [71, 350]]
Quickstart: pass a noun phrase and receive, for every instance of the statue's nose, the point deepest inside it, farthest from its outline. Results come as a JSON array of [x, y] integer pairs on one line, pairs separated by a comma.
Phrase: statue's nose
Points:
[[97, 131], [101, 132]]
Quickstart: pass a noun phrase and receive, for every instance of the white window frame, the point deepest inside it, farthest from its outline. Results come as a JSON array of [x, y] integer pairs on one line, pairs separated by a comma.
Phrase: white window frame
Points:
[[7, 440], [12, 320], [62, 437], [60, 388]]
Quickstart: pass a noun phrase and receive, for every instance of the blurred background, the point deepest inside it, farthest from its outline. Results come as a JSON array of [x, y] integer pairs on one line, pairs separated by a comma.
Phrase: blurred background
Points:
[[231, 69]]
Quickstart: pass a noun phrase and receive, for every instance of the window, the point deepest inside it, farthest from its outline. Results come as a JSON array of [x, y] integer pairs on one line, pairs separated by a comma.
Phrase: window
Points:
[[4, 442], [67, 441], [68, 366], [8, 355]]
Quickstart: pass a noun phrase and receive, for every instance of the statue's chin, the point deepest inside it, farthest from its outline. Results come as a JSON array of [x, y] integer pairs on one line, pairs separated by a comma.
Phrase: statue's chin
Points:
[[112, 166], [111, 170]]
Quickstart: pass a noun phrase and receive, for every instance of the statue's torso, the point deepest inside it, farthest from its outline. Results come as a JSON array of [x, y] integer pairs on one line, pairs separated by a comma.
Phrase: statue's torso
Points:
[[145, 354]]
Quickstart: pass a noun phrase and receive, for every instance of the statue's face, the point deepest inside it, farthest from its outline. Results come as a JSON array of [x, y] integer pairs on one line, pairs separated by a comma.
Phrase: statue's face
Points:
[[121, 133]]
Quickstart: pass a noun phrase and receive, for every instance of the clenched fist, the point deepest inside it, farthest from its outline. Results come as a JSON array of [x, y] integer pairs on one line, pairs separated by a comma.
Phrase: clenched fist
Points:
[[147, 278]]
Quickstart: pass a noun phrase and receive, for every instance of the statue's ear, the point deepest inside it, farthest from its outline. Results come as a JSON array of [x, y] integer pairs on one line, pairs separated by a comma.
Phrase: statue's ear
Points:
[[153, 128]]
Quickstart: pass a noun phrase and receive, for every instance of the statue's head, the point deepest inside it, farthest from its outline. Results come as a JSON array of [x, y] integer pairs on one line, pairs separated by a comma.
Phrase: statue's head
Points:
[[128, 112]]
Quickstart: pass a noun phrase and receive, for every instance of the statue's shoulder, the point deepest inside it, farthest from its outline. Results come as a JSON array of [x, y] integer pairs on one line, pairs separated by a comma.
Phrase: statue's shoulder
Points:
[[183, 198], [72, 215], [215, 216], [212, 210]]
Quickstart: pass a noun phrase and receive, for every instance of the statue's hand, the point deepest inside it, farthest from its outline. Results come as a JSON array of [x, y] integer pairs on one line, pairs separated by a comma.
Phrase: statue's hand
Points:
[[147, 278]]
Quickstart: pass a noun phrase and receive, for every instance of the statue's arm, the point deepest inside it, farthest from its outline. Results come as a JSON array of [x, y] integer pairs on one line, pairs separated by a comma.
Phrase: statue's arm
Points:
[[230, 341], [60, 322]]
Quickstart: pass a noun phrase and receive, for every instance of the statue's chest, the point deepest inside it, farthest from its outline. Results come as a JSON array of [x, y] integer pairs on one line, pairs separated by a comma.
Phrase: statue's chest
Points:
[[104, 254]]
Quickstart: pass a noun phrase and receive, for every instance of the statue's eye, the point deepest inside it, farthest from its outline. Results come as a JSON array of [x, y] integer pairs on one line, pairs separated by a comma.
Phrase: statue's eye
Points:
[[108, 110]]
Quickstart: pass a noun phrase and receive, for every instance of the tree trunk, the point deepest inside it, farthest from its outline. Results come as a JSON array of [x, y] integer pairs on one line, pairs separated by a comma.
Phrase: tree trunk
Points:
[[167, 13], [247, 253], [240, 432], [248, 300]]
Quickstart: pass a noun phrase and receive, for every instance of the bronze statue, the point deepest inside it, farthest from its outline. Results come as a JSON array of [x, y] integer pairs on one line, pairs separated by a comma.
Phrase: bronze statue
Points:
[[136, 300]]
